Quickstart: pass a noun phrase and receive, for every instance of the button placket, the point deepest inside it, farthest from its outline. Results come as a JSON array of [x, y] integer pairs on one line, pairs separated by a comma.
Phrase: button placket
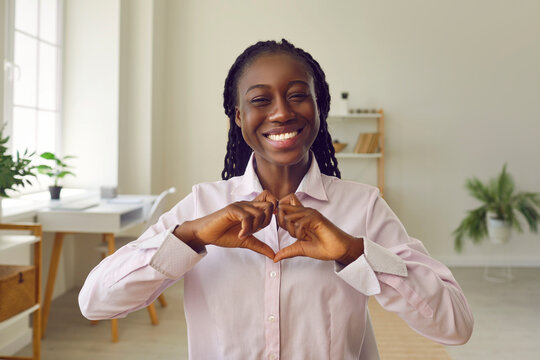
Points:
[[271, 296]]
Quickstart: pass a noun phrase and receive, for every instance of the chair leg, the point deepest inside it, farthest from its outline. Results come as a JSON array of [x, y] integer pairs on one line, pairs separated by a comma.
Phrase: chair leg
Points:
[[114, 330], [162, 301], [153, 315]]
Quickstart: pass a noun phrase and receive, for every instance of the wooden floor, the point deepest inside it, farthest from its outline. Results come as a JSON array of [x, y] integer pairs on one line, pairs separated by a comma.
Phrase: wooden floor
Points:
[[506, 327], [396, 340]]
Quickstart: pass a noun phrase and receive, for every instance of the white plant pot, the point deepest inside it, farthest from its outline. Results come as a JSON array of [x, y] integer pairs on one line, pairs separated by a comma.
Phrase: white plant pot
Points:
[[499, 230]]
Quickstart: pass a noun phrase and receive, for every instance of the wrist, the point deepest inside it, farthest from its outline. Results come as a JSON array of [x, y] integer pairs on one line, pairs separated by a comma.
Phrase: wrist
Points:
[[186, 234], [355, 249]]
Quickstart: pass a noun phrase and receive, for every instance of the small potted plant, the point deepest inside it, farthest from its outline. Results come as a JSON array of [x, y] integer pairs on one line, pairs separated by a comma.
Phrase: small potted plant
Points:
[[55, 172], [499, 211], [13, 171]]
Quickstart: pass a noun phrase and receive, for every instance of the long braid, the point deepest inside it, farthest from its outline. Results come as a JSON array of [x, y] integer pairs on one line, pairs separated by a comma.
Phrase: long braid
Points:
[[238, 151]]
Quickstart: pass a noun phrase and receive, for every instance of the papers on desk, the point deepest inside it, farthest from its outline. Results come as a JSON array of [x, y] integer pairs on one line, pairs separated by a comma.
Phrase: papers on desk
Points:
[[77, 205], [125, 201]]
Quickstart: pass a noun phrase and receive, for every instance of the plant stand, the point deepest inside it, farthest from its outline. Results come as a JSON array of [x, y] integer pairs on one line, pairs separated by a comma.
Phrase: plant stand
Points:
[[504, 275]]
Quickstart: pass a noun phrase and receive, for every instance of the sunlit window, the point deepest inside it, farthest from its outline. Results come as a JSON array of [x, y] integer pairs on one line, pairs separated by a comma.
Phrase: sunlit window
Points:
[[33, 74]]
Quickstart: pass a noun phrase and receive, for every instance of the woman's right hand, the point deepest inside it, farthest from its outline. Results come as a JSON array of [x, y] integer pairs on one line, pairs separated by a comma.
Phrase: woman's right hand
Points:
[[233, 226]]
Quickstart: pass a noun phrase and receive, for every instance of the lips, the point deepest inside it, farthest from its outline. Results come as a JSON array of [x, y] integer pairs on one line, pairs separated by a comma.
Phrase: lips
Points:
[[282, 133]]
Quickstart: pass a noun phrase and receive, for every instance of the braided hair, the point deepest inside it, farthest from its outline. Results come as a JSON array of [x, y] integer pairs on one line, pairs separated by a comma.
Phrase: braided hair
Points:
[[238, 151]]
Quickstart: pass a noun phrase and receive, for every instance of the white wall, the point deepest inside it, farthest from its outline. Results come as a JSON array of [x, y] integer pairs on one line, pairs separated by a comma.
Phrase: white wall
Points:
[[2, 39], [91, 77], [458, 81], [135, 97]]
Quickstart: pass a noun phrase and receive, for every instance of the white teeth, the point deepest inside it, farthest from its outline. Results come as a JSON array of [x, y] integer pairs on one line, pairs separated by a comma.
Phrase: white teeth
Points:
[[284, 136]]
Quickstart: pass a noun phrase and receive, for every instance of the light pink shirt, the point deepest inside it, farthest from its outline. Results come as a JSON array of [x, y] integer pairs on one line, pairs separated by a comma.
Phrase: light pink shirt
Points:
[[241, 305]]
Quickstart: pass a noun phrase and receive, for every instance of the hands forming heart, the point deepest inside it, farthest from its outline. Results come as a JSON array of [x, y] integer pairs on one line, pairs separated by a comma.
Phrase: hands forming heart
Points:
[[234, 226]]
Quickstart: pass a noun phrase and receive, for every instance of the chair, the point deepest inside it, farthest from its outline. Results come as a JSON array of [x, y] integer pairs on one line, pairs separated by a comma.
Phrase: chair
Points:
[[150, 218]]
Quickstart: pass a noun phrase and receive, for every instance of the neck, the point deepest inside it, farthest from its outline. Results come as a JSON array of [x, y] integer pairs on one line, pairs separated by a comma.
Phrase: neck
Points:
[[281, 180]]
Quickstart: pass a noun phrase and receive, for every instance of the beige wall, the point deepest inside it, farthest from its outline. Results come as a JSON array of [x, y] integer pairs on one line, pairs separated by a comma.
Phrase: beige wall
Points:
[[458, 81]]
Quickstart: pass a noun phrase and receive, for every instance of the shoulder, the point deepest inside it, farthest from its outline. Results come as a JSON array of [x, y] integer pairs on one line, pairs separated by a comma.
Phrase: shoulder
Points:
[[339, 189], [213, 187]]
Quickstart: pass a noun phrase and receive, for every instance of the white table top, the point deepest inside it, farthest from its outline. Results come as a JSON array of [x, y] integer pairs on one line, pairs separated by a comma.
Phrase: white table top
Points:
[[73, 212], [108, 216]]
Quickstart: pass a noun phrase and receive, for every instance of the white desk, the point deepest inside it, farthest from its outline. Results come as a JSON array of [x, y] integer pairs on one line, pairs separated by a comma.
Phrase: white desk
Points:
[[108, 218]]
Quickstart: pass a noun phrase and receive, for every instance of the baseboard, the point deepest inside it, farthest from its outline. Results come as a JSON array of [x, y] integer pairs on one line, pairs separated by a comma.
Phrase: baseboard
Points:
[[481, 261], [16, 343]]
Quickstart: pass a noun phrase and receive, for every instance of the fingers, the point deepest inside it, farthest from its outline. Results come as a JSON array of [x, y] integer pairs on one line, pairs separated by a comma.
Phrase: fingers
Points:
[[252, 216], [267, 196], [290, 199], [252, 243], [294, 219], [295, 249]]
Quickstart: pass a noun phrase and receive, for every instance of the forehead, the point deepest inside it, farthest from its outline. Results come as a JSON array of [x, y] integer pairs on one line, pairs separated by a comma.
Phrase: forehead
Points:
[[273, 68]]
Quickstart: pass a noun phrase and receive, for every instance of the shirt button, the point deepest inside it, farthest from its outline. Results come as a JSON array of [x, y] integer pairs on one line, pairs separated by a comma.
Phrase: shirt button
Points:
[[271, 318], [272, 357], [273, 274]]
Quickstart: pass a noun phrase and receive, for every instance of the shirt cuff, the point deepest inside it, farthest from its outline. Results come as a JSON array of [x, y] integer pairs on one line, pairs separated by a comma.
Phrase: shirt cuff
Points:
[[174, 258], [360, 274], [383, 260]]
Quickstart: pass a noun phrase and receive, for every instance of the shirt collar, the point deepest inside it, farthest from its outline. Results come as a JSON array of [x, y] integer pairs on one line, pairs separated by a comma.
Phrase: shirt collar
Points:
[[311, 185]]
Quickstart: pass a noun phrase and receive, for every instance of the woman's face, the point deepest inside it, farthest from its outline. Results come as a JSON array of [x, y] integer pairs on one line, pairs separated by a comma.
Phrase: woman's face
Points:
[[277, 109]]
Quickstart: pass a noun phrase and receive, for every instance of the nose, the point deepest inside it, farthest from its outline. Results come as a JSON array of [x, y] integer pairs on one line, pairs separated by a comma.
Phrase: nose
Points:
[[281, 112]]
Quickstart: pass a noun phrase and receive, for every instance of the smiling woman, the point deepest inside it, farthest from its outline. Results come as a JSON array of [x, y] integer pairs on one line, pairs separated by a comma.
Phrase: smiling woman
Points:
[[280, 257]]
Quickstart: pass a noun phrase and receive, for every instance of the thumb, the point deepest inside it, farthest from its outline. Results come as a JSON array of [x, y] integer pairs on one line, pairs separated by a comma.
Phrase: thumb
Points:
[[290, 251], [252, 243]]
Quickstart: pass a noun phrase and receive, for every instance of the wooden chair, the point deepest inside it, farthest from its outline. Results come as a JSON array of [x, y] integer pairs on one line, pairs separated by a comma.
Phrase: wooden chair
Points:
[[106, 249], [9, 241]]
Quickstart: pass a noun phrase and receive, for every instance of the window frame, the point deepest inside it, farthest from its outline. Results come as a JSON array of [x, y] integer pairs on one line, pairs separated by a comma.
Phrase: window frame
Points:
[[10, 72]]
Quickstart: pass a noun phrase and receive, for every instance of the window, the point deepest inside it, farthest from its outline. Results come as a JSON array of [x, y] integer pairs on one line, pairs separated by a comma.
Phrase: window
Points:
[[33, 54]]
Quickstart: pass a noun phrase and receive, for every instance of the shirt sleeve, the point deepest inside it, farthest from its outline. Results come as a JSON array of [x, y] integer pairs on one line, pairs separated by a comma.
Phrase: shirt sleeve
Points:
[[405, 279], [135, 275]]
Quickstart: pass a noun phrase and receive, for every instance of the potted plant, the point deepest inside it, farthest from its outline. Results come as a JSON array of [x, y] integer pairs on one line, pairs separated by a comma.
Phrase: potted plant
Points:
[[55, 172], [499, 211], [13, 171]]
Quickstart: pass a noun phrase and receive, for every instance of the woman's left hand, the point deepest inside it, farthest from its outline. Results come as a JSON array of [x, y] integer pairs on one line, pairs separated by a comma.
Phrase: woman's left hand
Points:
[[317, 237]]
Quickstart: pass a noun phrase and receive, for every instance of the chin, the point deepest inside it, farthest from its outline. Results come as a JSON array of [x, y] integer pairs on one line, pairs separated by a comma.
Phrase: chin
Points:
[[288, 158]]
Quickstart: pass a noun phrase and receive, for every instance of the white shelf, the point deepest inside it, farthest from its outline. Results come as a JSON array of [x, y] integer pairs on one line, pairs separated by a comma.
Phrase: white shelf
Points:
[[357, 156], [6, 323], [10, 241], [354, 116]]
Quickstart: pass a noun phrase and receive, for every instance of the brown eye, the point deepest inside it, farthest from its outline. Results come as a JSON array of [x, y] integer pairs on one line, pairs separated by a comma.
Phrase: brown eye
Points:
[[298, 97], [259, 101]]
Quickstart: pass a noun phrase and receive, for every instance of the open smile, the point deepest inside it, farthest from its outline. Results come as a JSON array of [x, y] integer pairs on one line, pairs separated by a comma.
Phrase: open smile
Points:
[[283, 136]]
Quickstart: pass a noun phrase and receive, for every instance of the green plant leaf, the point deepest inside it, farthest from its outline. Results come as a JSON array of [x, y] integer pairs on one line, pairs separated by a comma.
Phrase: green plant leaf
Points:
[[48, 155], [64, 173]]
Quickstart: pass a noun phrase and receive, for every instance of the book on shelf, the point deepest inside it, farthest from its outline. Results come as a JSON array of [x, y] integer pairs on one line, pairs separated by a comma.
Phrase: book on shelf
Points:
[[367, 143]]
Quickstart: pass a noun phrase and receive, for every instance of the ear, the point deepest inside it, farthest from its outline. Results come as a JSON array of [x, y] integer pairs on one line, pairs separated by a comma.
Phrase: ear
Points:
[[237, 118]]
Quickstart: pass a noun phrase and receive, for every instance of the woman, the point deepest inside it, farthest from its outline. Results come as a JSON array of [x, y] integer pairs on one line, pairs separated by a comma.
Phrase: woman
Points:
[[296, 251]]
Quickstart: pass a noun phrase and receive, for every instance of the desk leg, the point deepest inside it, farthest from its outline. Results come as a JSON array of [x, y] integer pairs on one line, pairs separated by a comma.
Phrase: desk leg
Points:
[[53, 267], [109, 238]]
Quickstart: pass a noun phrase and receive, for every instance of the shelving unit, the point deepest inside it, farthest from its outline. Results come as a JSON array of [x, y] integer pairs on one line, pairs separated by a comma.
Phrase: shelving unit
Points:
[[9, 242], [352, 122]]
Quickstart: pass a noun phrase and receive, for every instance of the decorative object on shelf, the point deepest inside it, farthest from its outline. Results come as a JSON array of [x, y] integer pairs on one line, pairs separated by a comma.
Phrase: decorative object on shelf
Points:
[[338, 146], [367, 143], [55, 172], [498, 213], [342, 104], [363, 111], [13, 172]]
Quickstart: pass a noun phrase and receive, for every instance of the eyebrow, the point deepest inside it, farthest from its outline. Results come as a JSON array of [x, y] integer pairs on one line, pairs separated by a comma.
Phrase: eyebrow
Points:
[[291, 83]]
